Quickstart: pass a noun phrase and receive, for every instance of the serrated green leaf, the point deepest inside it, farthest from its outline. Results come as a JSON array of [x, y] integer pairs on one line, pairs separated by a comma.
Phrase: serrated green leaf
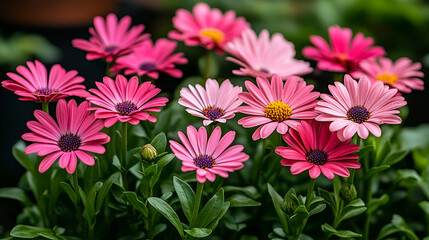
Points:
[[240, 200], [186, 196], [167, 211], [211, 210], [199, 232], [136, 203]]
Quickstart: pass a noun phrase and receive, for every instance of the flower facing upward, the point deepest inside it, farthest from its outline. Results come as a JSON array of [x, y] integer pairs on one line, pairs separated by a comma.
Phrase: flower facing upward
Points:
[[208, 157], [345, 54], [403, 74], [35, 85], [214, 104], [359, 107], [277, 106], [125, 101], [76, 134], [314, 147], [260, 56], [148, 59], [110, 38], [207, 27]]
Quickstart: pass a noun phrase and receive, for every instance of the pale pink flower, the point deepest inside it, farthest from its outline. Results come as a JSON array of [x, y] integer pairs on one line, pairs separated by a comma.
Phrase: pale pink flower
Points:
[[208, 157], [262, 56], [75, 135], [214, 103], [277, 106], [359, 107], [313, 147], [207, 27], [345, 54]]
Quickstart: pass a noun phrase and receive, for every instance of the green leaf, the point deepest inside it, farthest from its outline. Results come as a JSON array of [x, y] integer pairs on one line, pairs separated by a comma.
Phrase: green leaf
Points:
[[186, 196], [168, 212], [377, 202], [352, 209], [277, 201], [136, 202], [365, 150], [397, 225], [319, 207], [150, 171], [16, 194], [408, 177], [24, 231], [28, 161], [69, 190], [223, 211], [101, 196], [159, 228], [394, 157], [240, 200], [329, 198], [250, 191], [199, 232], [211, 210], [339, 233], [298, 218], [166, 159], [159, 142], [382, 151], [425, 206], [375, 170]]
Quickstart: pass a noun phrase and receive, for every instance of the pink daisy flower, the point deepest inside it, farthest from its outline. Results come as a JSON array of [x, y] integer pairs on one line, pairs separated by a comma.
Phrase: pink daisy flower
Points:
[[403, 74], [110, 38], [207, 27], [345, 54], [74, 136], [125, 101], [34, 84], [276, 105], [260, 56], [148, 59], [214, 103], [313, 147], [208, 157], [359, 107]]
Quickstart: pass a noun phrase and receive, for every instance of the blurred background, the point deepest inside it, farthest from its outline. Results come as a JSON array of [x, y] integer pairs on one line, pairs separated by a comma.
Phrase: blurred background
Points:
[[44, 29]]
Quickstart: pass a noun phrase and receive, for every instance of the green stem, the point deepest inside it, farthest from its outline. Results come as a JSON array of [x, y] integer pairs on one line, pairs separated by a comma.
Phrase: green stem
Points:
[[208, 65], [197, 202], [368, 215], [353, 171], [310, 193], [124, 154], [108, 66], [75, 184], [45, 107]]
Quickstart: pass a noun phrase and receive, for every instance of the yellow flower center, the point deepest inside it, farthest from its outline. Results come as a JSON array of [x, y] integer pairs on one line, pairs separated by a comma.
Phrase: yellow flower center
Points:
[[277, 111], [342, 57], [216, 35], [387, 78]]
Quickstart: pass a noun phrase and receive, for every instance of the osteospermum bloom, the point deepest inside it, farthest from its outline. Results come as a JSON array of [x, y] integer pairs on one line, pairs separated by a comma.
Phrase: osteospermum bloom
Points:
[[214, 103], [149, 59], [276, 105], [313, 147], [74, 135], [111, 38], [262, 56], [208, 157], [345, 53], [359, 107], [125, 101], [403, 74], [207, 27]]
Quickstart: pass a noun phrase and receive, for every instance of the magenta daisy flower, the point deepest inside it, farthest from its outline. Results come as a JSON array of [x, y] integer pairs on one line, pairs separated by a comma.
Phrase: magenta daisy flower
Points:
[[260, 56], [345, 54], [148, 59], [403, 74], [276, 105], [208, 157], [313, 147], [214, 103], [125, 101], [207, 27], [76, 134], [359, 107], [34, 84], [110, 38]]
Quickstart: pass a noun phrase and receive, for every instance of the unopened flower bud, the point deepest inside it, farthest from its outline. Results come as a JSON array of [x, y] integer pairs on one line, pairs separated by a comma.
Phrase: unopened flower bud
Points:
[[148, 152], [348, 192], [289, 205]]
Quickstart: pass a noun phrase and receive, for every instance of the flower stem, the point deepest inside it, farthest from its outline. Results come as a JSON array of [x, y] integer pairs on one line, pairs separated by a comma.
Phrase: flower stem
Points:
[[75, 185], [45, 107], [208, 65], [197, 202], [310, 193], [368, 215], [124, 154]]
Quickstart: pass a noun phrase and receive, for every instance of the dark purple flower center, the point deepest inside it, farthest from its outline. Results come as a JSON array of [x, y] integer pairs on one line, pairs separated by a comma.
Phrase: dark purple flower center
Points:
[[110, 49], [204, 161], [358, 114], [148, 66], [69, 142], [213, 113], [44, 91], [124, 108], [317, 157]]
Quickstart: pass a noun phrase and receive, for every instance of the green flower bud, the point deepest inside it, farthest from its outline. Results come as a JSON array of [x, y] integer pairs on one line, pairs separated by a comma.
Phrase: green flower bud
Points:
[[289, 205], [148, 152], [348, 192]]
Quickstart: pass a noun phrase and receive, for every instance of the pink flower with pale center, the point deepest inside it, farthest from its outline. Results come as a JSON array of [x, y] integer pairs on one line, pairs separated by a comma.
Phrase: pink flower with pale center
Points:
[[125, 101], [207, 27], [277, 106], [208, 157], [111, 38], [359, 107], [149, 59], [313, 147], [34, 84], [76, 134], [214, 103], [262, 56], [345, 54], [403, 74]]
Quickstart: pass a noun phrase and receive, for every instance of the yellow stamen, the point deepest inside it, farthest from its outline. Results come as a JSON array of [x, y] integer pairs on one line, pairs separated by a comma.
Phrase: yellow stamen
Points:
[[342, 57], [387, 78], [216, 35], [277, 111]]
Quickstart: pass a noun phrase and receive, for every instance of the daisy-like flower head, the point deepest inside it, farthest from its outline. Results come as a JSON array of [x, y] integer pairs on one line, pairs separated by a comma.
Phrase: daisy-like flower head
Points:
[[125, 101], [276, 105], [75, 134], [34, 84], [207, 27], [262, 56], [208, 157], [149, 59], [110, 38], [345, 54], [313, 147], [403, 74], [359, 107], [214, 103]]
